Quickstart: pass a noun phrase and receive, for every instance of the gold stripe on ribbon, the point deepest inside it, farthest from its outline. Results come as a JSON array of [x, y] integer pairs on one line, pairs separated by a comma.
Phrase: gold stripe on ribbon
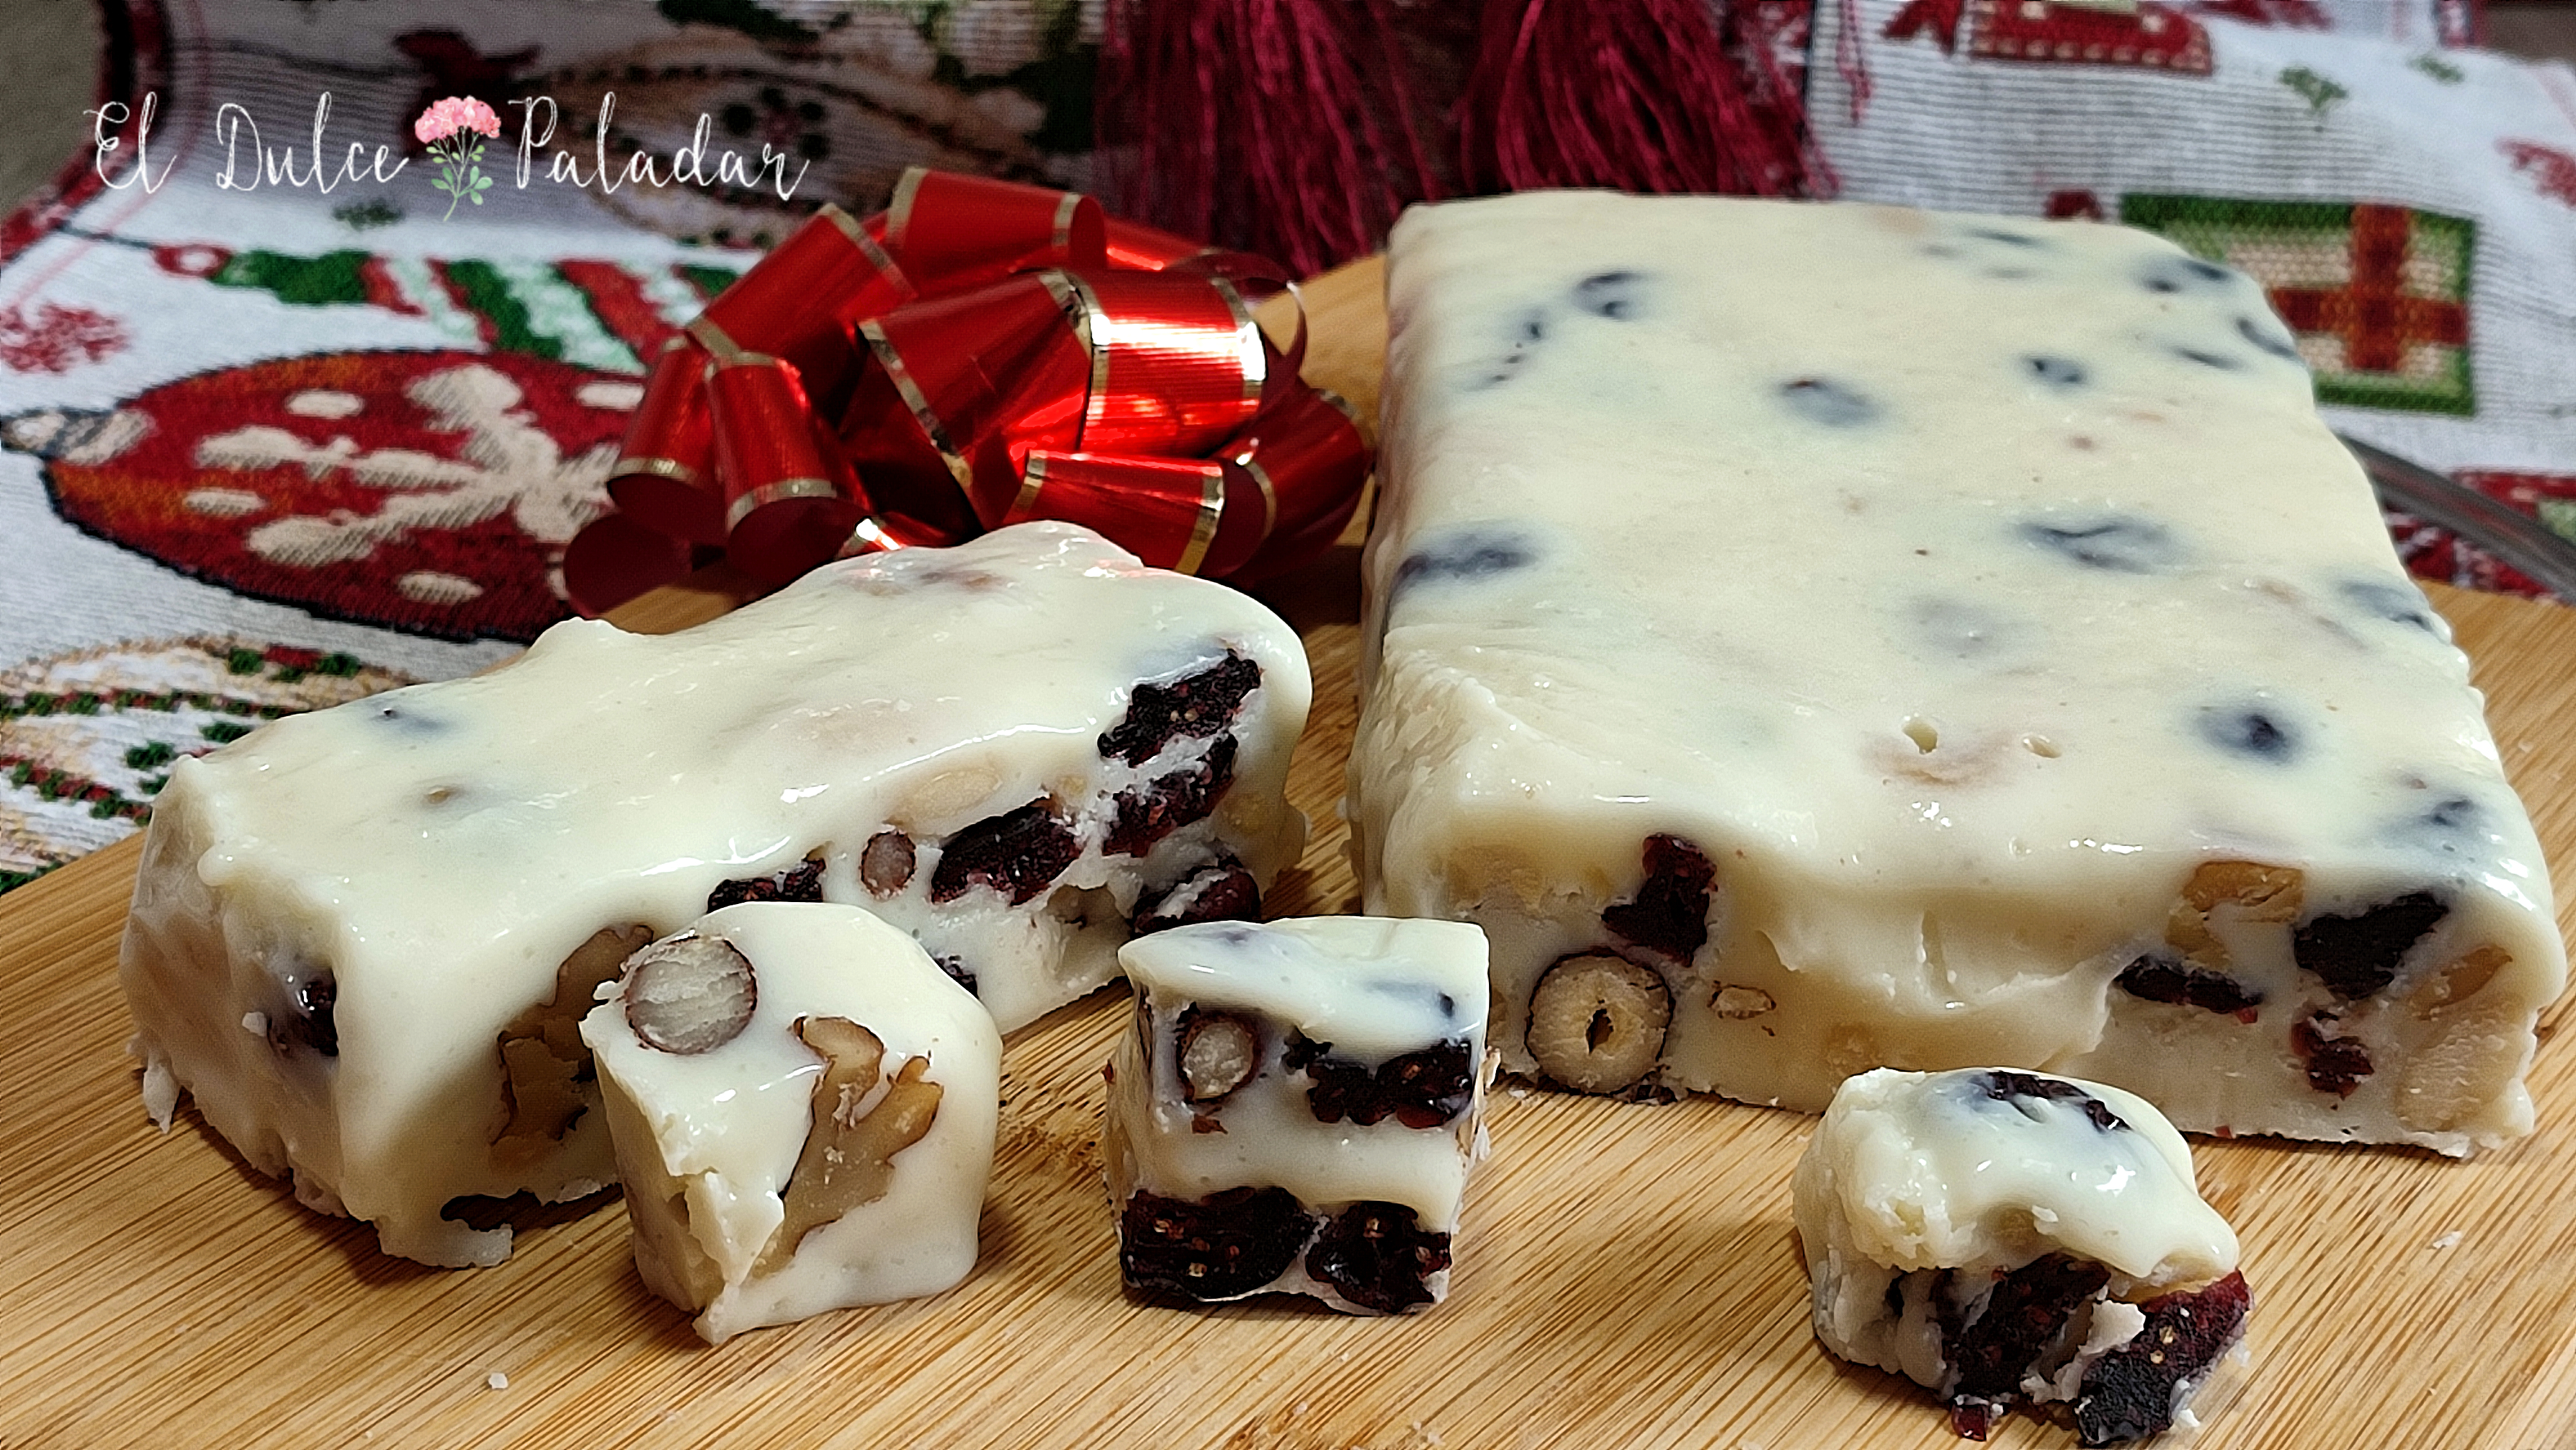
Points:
[[1269, 495], [1032, 479], [910, 392], [778, 492], [1254, 357], [1092, 325], [1065, 211], [878, 257], [666, 467], [1211, 511], [719, 344], [898, 212]]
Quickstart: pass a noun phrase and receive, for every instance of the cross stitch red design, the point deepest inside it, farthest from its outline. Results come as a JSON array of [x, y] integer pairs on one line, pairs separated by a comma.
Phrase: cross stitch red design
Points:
[[2375, 319], [2156, 36], [2550, 169]]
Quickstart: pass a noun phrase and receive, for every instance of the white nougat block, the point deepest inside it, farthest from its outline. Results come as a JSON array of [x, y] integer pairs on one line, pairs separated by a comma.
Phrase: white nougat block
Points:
[[2005, 1237], [364, 938], [1812, 637], [803, 1107], [1297, 1109]]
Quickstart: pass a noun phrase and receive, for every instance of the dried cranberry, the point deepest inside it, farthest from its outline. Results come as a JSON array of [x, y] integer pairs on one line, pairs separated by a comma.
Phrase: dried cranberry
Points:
[[313, 1022], [1224, 891], [1378, 1256], [1670, 914], [1224, 1246], [1149, 812], [1019, 854], [2358, 955], [1191, 707], [1420, 1089], [2004, 1086], [2335, 1064], [2128, 1394], [2026, 1310], [2158, 980], [955, 969], [800, 882]]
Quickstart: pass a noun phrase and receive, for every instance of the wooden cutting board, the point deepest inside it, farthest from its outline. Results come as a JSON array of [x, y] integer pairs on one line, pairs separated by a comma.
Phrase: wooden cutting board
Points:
[[1627, 1275]]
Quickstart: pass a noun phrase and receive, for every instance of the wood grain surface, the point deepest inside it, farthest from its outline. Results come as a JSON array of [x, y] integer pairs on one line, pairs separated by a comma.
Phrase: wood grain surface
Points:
[[1627, 1274]]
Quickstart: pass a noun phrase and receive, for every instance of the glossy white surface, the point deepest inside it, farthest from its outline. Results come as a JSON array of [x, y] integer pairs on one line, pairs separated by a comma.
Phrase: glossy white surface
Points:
[[1959, 585]]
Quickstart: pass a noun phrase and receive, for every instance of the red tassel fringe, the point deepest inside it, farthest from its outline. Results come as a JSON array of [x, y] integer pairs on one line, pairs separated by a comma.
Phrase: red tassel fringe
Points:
[[1280, 127], [1637, 95]]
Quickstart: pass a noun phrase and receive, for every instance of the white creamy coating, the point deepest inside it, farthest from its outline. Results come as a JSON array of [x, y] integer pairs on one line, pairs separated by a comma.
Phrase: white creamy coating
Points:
[[707, 1142], [1372, 988], [1933, 1171], [1959, 585], [431, 855]]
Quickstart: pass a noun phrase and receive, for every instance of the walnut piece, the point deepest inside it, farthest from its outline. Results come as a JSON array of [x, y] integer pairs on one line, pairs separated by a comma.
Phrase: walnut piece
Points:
[[689, 994], [848, 1157], [543, 1061], [1597, 1022], [2257, 893]]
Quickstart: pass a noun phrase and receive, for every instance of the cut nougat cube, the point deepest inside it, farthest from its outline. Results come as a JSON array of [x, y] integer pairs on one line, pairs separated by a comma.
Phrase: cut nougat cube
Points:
[[1297, 1109], [2005, 1237], [803, 1107]]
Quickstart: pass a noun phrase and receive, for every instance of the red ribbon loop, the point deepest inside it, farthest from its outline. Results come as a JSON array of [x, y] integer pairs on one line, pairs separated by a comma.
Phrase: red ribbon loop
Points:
[[982, 353]]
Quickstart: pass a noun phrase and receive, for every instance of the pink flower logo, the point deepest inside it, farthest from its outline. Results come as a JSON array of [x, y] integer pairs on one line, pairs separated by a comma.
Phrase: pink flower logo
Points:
[[461, 123]]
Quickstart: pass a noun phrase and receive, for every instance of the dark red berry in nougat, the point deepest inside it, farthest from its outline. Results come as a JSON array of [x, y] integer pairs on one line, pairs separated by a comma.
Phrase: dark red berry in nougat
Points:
[[1147, 813], [1224, 891], [2158, 980], [1378, 1256], [2128, 1394], [1223, 1246], [1019, 854], [2358, 955], [2026, 1310], [800, 882], [1670, 912], [1194, 706]]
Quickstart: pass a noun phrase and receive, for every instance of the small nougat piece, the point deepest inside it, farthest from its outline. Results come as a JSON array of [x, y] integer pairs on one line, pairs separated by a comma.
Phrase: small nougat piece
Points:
[[364, 938], [803, 1107], [1297, 1108], [1810, 638], [2005, 1237]]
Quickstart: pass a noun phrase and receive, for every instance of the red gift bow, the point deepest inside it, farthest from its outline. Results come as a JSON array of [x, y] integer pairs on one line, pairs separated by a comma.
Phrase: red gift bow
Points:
[[979, 354]]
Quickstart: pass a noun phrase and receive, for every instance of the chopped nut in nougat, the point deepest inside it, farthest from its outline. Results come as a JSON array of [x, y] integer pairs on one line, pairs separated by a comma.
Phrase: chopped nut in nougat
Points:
[[2011, 1238], [1835, 614], [1021, 751], [1296, 1109], [803, 1106]]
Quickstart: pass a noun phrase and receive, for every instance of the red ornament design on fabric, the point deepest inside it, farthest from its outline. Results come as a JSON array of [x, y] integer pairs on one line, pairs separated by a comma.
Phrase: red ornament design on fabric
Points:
[[2432, 552], [50, 338], [2155, 37], [2551, 170], [2281, 14], [431, 492], [2073, 204]]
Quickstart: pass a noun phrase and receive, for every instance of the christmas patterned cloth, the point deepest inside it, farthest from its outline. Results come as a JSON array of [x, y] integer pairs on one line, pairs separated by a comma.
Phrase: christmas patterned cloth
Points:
[[272, 439], [2409, 204]]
